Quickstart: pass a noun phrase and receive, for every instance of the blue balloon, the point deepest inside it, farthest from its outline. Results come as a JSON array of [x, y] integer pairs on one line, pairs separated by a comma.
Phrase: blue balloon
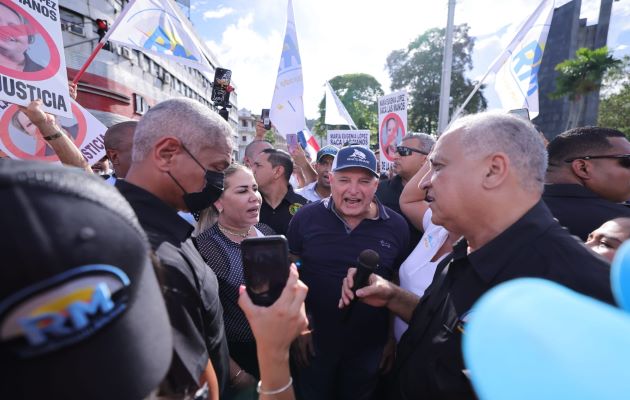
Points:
[[534, 339], [620, 276]]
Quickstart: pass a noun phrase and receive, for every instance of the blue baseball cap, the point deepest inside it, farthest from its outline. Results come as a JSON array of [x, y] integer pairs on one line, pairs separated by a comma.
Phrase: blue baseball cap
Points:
[[355, 157], [329, 150]]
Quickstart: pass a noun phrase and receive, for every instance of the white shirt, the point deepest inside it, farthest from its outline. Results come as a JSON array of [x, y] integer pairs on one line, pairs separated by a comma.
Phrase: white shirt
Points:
[[416, 272], [309, 192]]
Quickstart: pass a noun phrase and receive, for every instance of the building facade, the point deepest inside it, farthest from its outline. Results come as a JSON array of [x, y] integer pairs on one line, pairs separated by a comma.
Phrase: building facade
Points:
[[122, 83], [567, 34]]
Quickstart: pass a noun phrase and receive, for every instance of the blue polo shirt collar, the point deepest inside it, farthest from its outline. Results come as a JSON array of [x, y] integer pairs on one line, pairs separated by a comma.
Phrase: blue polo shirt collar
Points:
[[330, 205]]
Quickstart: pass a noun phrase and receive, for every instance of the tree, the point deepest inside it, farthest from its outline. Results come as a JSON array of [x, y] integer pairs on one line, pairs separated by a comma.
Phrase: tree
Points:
[[359, 93], [580, 76], [418, 69], [614, 108]]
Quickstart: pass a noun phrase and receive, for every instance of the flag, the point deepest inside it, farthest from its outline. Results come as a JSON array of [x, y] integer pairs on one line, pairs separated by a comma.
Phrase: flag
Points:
[[159, 27], [516, 68], [308, 143], [287, 107], [336, 113]]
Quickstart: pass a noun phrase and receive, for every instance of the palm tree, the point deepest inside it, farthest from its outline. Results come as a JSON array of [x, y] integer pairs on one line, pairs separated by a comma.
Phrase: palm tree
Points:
[[580, 76]]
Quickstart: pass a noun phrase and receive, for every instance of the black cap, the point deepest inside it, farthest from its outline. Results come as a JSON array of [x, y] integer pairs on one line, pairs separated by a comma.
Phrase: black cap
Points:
[[81, 311]]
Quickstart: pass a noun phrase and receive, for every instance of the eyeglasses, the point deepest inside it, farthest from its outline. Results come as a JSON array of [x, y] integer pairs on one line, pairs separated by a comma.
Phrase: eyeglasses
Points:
[[624, 159], [405, 151]]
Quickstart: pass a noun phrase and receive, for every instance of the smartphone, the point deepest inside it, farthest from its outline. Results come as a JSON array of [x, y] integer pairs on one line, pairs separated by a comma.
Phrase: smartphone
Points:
[[264, 115], [222, 79], [521, 112], [265, 267], [292, 142]]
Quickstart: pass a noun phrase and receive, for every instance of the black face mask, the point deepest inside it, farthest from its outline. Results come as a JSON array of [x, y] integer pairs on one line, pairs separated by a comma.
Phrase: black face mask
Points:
[[198, 201]]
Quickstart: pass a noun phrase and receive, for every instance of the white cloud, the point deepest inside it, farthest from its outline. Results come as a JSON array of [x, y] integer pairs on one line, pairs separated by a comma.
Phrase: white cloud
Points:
[[351, 36], [250, 56], [218, 13]]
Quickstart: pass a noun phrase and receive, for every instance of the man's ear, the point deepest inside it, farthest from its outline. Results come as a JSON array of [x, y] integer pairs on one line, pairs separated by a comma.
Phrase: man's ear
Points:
[[164, 152], [582, 169], [496, 171], [278, 172], [112, 155]]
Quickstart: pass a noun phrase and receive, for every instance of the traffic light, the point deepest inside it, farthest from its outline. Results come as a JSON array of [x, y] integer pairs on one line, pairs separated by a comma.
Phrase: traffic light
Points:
[[102, 26]]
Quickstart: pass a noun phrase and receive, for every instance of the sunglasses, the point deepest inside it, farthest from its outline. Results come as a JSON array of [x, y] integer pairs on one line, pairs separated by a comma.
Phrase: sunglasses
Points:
[[624, 159], [405, 151]]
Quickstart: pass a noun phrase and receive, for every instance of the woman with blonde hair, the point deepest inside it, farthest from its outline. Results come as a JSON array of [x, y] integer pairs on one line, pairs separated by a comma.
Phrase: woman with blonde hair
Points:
[[238, 218]]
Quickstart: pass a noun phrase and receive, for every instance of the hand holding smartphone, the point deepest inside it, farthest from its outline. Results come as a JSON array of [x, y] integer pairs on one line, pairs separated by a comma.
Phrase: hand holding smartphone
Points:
[[292, 142], [265, 267], [264, 115]]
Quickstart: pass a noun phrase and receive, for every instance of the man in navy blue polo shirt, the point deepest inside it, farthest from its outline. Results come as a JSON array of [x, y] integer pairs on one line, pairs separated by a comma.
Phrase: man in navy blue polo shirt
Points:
[[340, 359]]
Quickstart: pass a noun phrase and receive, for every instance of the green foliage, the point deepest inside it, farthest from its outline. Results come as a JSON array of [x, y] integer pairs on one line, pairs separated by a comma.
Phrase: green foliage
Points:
[[583, 74], [270, 136], [359, 94], [614, 107], [418, 69]]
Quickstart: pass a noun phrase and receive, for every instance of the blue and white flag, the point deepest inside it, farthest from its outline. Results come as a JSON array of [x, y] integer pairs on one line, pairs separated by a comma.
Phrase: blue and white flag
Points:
[[517, 67], [336, 113], [287, 106], [159, 27]]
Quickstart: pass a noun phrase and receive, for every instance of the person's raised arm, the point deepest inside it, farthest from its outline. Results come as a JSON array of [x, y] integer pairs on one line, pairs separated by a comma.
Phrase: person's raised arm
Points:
[[380, 293], [411, 200], [64, 147], [274, 328], [309, 174]]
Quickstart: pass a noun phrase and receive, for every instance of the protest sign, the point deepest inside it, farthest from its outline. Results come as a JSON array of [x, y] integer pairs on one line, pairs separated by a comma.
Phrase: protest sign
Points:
[[20, 139], [341, 137], [392, 122], [32, 64]]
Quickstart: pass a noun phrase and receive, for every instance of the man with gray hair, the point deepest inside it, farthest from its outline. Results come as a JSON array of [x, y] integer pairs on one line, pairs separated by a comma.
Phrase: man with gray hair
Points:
[[180, 149], [486, 182], [409, 157]]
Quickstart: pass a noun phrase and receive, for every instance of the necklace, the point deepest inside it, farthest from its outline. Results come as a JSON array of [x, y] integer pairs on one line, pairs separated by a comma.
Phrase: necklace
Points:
[[229, 232]]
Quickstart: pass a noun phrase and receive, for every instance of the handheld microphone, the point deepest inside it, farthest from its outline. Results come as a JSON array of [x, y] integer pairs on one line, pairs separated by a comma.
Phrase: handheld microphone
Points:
[[367, 263]]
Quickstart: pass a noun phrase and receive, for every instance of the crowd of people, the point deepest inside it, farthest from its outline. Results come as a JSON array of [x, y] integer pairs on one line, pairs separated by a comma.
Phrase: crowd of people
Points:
[[133, 287]]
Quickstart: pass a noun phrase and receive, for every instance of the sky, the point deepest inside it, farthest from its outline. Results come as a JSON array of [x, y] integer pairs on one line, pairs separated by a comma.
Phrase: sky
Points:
[[338, 37]]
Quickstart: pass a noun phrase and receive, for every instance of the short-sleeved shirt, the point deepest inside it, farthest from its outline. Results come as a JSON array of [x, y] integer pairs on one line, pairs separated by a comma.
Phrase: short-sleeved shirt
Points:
[[278, 218], [580, 210], [309, 192], [191, 292], [223, 256], [388, 193], [429, 359], [417, 271], [327, 247]]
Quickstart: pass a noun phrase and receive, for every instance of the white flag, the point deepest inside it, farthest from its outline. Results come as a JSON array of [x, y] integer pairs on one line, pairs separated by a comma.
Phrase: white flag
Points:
[[517, 67], [287, 107], [159, 27], [336, 113]]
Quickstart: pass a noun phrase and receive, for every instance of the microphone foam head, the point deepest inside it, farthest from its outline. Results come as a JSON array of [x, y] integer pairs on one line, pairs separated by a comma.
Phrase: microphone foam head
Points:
[[368, 258]]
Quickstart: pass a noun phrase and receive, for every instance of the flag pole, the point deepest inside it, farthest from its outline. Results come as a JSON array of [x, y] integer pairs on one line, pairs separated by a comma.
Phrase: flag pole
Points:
[[85, 66], [447, 62], [470, 96], [101, 43]]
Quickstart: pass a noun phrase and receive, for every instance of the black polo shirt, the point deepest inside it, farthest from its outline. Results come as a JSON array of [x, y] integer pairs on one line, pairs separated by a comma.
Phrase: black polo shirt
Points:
[[278, 218], [190, 290], [580, 210], [430, 363], [388, 193]]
